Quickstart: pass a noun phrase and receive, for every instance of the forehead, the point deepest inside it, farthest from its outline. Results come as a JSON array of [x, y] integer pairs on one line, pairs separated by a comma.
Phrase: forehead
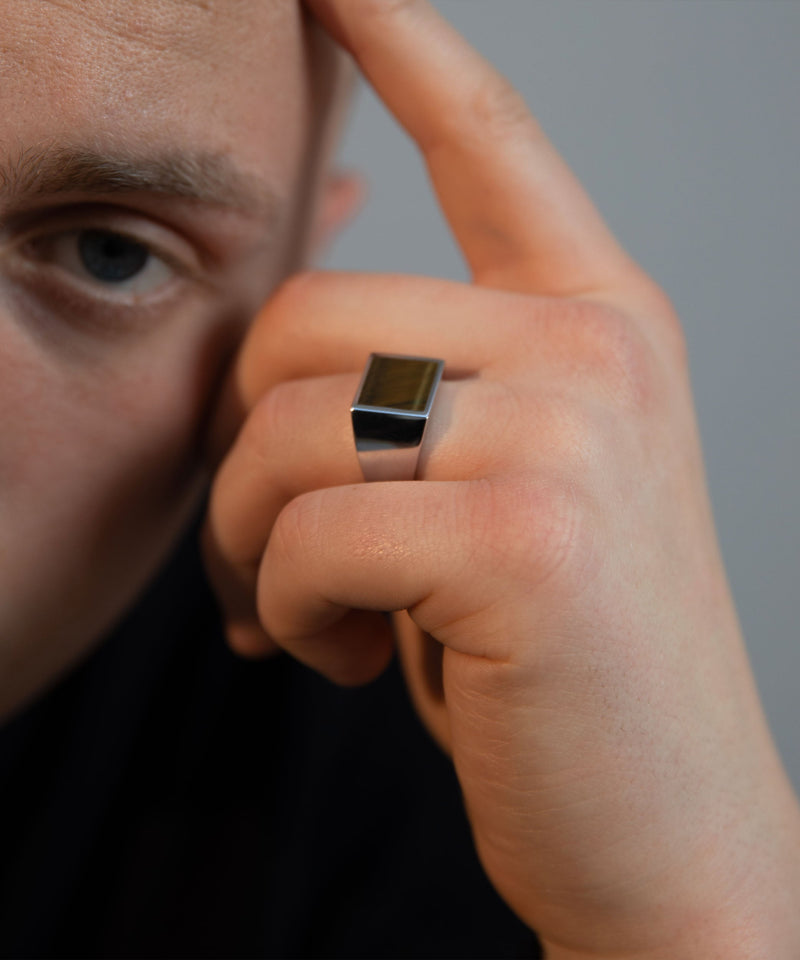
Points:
[[229, 76]]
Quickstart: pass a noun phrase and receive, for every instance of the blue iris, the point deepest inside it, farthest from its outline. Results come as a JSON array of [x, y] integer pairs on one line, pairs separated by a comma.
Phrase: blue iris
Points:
[[110, 257]]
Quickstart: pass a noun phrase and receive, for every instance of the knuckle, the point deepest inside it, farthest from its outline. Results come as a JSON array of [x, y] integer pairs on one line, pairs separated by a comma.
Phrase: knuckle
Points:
[[380, 15], [653, 307], [491, 110], [614, 351], [385, 8], [269, 423], [569, 444], [540, 534], [497, 106], [666, 322]]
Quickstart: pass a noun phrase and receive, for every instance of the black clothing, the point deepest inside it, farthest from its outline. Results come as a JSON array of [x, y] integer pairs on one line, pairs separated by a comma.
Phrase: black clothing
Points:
[[168, 799]]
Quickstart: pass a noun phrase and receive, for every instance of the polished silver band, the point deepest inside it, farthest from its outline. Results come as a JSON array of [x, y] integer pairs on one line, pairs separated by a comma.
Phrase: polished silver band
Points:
[[390, 412]]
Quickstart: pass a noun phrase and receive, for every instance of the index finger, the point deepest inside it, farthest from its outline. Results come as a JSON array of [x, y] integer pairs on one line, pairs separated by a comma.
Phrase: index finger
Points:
[[520, 216]]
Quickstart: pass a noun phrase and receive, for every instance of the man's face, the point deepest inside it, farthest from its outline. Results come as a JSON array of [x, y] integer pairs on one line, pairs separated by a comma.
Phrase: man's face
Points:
[[152, 164]]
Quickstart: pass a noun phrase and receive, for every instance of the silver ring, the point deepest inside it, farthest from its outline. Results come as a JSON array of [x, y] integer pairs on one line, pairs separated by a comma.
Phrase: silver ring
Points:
[[390, 412]]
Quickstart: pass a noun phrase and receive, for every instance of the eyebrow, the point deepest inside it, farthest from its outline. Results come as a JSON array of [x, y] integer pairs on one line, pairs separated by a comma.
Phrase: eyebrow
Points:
[[203, 177]]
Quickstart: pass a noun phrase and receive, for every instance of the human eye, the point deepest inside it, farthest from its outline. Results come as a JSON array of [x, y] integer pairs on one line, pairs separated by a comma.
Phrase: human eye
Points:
[[115, 262], [106, 269]]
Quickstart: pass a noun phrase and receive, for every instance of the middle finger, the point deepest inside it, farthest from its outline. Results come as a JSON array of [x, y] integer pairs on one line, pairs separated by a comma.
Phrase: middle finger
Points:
[[328, 322]]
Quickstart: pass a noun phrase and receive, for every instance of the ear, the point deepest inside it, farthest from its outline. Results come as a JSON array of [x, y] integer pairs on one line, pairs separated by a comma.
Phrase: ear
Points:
[[342, 196]]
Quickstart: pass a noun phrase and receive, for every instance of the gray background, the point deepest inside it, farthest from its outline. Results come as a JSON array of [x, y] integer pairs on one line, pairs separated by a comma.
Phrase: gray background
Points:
[[682, 117]]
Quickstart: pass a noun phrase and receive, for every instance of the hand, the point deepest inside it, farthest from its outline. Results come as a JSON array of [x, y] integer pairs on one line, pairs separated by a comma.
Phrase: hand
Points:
[[568, 632]]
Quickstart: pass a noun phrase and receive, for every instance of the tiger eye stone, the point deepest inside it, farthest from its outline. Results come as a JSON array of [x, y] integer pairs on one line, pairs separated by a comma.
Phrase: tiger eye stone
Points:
[[398, 383]]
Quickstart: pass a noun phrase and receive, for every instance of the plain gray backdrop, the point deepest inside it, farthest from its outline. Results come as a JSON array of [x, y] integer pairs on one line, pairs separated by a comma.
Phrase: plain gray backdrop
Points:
[[682, 118]]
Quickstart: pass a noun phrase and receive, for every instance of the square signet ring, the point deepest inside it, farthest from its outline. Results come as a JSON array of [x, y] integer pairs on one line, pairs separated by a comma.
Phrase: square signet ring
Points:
[[390, 413]]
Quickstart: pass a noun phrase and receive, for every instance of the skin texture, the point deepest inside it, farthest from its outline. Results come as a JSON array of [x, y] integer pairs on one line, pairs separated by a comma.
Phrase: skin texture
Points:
[[562, 611], [104, 393], [569, 635]]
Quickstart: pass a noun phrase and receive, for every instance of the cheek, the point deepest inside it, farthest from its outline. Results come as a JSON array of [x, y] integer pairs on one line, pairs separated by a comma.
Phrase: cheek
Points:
[[99, 470]]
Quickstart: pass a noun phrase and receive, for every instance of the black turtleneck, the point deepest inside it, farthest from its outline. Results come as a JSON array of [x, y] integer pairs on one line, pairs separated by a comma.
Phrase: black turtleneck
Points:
[[170, 800]]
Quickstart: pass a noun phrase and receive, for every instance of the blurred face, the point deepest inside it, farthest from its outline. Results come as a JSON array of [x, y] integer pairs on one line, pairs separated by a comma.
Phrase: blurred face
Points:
[[154, 187]]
